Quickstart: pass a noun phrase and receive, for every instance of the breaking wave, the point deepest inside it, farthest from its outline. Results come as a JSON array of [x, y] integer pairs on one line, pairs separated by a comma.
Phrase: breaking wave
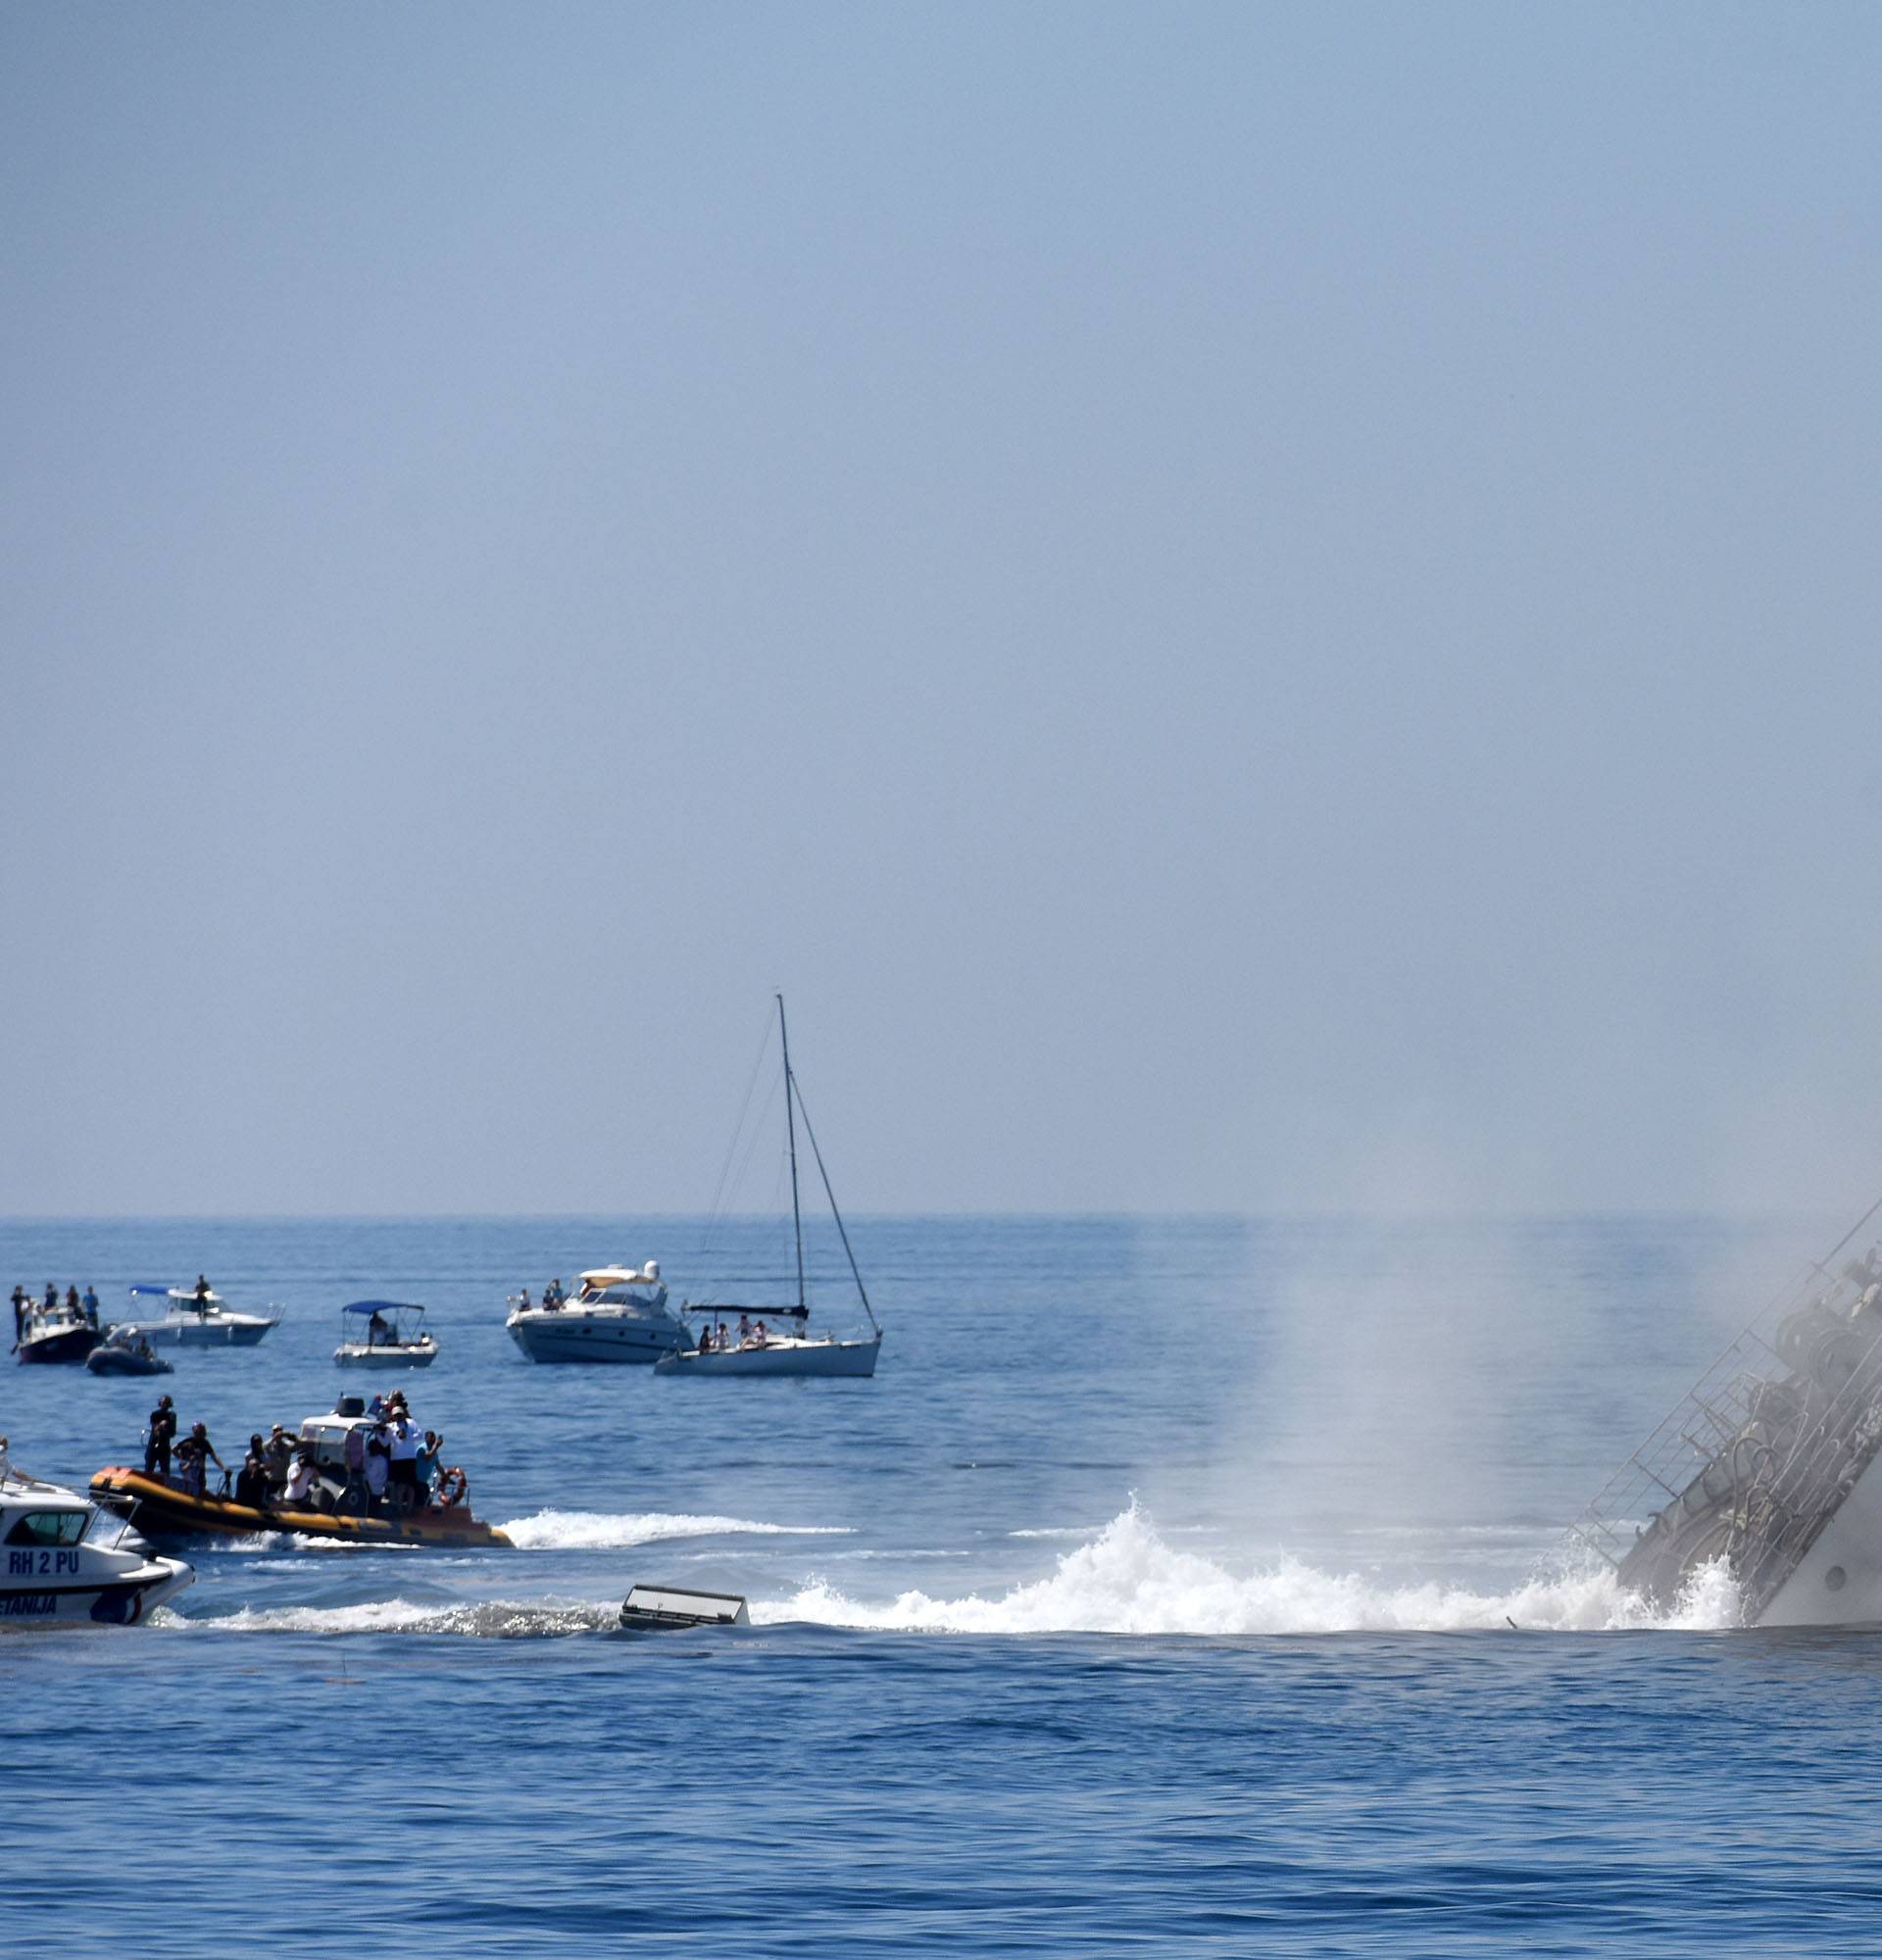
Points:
[[1128, 1580], [596, 1531]]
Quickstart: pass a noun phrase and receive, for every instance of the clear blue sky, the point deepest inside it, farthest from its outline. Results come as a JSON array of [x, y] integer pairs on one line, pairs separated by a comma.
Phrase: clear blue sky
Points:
[[1250, 607]]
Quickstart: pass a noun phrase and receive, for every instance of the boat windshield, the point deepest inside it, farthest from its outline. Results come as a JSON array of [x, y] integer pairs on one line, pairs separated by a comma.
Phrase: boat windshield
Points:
[[49, 1528]]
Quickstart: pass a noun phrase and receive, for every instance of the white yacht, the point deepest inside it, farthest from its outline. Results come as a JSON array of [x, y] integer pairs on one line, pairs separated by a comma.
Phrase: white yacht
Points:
[[199, 1317], [62, 1560], [619, 1313]]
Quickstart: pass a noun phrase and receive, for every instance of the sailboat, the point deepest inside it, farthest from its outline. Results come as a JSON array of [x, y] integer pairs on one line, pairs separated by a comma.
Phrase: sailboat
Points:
[[798, 1353]]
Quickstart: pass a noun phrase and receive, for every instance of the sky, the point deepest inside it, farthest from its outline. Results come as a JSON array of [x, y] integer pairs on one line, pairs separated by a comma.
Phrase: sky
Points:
[[1258, 609]]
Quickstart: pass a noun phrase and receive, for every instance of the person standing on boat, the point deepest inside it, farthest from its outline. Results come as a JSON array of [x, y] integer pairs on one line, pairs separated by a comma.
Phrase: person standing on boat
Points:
[[72, 1301], [403, 1461], [204, 1454], [52, 1297], [90, 1305], [19, 1314], [353, 1497], [202, 1294], [275, 1452], [375, 1471], [158, 1439]]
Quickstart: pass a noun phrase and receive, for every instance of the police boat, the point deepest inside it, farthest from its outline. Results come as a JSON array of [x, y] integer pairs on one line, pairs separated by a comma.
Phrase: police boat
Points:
[[62, 1563]]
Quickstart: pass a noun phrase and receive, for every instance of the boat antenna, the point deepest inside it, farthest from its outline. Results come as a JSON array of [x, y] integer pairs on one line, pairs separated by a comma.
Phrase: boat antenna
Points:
[[790, 1130], [855, 1271]]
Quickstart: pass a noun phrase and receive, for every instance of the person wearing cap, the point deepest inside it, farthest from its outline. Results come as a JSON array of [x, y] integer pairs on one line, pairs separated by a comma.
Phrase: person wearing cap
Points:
[[402, 1448], [275, 1452], [158, 1439]]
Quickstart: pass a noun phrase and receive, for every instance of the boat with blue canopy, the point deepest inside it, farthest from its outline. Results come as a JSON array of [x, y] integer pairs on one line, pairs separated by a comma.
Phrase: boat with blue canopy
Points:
[[385, 1334], [199, 1316]]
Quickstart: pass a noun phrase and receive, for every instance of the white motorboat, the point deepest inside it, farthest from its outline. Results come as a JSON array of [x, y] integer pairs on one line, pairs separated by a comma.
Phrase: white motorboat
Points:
[[53, 1330], [1770, 1470], [62, 1560], [385, 1334], [199, 1317], [619, 1313], [755, 1351]]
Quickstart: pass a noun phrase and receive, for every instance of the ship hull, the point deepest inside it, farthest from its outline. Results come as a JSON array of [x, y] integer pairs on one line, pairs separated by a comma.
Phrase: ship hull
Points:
[[1838, 1582]]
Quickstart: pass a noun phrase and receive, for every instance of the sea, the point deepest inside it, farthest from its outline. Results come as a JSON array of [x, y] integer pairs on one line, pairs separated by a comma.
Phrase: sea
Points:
[[1177, 1587]]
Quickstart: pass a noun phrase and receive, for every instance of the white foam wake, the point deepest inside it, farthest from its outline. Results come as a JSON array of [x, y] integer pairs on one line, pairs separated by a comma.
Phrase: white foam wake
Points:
[[1128, 1581], [599, 1531], [482, 1619]]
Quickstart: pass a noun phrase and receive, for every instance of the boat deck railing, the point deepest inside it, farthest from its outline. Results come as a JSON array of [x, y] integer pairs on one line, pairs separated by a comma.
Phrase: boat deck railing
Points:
[[1706, 1421]]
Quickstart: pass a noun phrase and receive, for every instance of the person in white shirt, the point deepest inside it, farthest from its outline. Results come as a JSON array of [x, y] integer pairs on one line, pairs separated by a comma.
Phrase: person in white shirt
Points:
[[404, 1460], [375, 1471], [300, 1477]]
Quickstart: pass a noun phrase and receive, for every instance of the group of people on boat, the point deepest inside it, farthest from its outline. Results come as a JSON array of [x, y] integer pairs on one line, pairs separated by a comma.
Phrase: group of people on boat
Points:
[[554, 1295], [190, 1458], [719, 1340], [392, 1467], [76, 1307]]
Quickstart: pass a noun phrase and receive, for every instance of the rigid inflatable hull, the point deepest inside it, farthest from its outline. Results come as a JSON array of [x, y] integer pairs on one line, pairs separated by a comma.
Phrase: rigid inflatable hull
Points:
[[160, 1511]]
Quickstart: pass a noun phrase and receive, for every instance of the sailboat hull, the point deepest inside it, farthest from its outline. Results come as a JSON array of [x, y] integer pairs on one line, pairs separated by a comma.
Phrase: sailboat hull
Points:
[[787, 1359]]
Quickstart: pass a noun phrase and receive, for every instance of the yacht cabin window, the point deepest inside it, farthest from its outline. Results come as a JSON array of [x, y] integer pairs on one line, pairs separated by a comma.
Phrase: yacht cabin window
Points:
[[49, 1528]]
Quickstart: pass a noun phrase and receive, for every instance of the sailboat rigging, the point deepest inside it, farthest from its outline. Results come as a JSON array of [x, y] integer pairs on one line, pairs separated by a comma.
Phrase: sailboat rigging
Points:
[[798, 1353]]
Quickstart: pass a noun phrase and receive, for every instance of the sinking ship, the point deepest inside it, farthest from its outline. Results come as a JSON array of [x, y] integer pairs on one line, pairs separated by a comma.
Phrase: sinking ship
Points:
[[1769, 1463]]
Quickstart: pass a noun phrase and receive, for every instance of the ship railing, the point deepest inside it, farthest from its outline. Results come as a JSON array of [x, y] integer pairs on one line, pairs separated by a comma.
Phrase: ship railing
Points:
[[1703, 1423]]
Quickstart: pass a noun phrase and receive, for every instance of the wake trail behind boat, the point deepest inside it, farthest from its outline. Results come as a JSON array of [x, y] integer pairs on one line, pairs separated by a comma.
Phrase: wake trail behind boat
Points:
[[597, 1531]]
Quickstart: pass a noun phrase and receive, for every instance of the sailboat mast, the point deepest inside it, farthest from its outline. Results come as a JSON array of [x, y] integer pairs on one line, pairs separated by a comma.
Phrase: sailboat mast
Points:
[[790, 1131]]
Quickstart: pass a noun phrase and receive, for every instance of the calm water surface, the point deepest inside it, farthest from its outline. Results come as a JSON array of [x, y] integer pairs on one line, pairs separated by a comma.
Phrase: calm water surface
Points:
[[1156, 1595]]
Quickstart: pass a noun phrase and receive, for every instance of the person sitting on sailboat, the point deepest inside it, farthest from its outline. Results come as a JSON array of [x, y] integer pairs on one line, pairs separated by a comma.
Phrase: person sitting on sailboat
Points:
[[744, 1330]]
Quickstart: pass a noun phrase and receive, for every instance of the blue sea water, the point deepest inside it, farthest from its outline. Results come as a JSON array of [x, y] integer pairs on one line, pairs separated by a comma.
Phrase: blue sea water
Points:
[[1179, 1586]]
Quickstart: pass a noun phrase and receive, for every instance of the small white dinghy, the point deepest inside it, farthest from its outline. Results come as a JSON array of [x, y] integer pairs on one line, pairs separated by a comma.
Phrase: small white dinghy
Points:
[[385, 1334], [753, 1349]]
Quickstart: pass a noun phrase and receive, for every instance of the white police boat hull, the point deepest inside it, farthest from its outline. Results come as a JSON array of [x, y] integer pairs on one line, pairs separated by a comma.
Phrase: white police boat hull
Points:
[[53, 1574]]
